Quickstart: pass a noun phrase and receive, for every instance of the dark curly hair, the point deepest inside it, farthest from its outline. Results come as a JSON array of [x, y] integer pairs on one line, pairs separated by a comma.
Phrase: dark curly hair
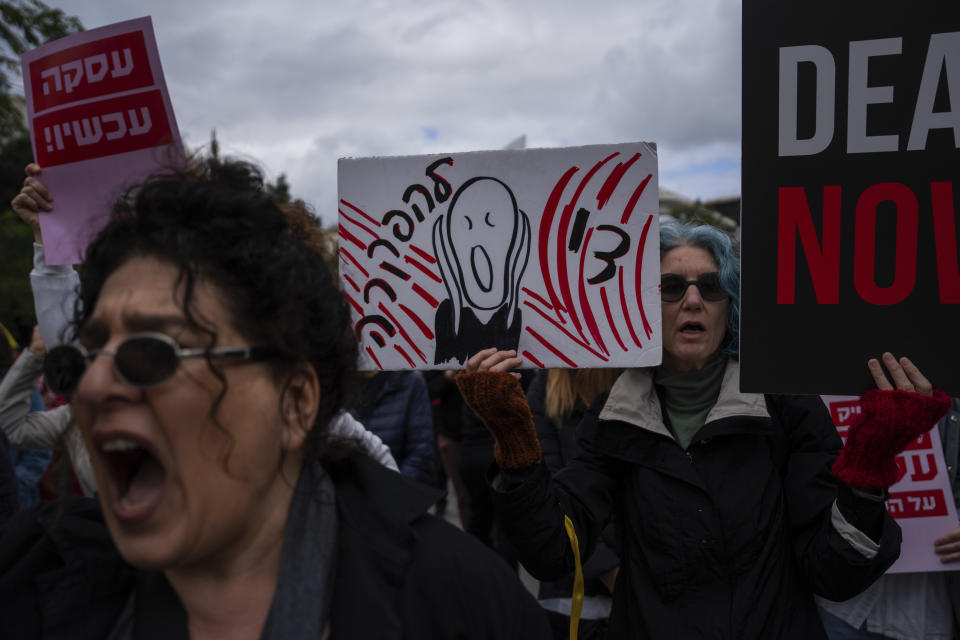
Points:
[[216, 221]]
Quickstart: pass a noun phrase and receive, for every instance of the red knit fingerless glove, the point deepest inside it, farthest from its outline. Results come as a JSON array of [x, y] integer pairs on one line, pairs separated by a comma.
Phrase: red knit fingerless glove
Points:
[[498, 400], [888, 422]]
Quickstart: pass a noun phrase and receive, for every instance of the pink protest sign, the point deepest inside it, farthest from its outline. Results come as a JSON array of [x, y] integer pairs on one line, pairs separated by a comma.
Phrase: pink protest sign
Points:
[[921, 500], [100, 119]]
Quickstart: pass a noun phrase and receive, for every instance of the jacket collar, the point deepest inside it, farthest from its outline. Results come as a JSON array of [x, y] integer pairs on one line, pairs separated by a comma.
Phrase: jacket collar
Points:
[[634, 401], [376, 507]]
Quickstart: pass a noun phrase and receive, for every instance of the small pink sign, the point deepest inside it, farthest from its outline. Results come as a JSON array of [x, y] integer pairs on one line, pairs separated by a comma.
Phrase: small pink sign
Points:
[[921, 500], [100, 120]]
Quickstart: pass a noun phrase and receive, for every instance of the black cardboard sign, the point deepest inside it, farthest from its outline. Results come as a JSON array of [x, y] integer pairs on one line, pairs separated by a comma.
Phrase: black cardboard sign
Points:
[[851, 193]]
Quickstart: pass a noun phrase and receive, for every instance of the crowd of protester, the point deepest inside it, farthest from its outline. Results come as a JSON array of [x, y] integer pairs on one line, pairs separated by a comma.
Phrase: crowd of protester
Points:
[[221, 470]]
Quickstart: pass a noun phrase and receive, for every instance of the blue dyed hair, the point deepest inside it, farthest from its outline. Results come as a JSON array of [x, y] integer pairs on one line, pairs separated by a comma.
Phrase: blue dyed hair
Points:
[[725, 253]]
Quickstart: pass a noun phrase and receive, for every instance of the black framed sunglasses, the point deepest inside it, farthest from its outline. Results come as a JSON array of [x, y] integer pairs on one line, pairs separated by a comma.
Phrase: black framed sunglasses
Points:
[[674, 287], [142, 360]]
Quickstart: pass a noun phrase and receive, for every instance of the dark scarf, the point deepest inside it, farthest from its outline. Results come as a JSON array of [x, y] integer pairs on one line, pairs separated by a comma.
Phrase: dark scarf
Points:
[[688, 397], [301, 603]]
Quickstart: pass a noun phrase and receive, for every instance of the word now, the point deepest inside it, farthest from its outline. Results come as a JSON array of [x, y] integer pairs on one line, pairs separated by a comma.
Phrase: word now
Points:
[[89, 130], [823, 254], [103, 128], [943, 54], [96, 70]]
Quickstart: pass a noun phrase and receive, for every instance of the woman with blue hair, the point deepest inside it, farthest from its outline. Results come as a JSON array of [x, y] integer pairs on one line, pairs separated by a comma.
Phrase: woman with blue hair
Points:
[[732, 508]]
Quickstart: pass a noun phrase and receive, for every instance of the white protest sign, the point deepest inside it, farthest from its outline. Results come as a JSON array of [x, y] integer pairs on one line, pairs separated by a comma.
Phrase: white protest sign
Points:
[[921, 500], [551, 252]]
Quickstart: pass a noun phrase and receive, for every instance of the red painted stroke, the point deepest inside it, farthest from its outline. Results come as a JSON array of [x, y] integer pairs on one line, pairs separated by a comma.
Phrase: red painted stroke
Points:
[[570, 363], [361, 212], [628, 210], [403, 332], [353, 284], [420, 291], [546, 221], [626, 310], [404, 354], [417, 321], [346, 235], [529, 356], [613, 180], [561, 239], [370, 353], [357, 223], [537, 298], [423, 268], [636, 276], [353, 303], [343, 252], [423, 254], [574, 338], [606, 310], [588, 318]]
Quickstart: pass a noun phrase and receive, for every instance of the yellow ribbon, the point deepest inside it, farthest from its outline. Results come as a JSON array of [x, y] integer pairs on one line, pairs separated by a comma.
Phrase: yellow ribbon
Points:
[[576, 600], [10, 339]]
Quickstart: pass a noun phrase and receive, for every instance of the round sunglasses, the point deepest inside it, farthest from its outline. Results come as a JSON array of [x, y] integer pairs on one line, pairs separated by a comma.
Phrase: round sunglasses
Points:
[[142, 360], [674, 287]]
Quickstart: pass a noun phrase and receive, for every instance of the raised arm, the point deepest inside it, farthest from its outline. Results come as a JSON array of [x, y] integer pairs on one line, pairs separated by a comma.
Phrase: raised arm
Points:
[[54, 286]]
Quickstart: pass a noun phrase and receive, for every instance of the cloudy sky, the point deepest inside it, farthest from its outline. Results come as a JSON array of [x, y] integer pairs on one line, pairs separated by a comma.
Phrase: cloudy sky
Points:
[[296, 85]]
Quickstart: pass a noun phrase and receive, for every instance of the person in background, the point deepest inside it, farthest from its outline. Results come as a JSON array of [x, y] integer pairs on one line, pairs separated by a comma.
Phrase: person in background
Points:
[[447, 409], [9, 500], [910, 606], [29, 465], [210, 350], [732, 508], [395, 406], [558, 399]]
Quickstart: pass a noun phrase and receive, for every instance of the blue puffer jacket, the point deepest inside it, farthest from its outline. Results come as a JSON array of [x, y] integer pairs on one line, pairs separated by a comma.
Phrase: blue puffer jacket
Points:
[[395, 405]]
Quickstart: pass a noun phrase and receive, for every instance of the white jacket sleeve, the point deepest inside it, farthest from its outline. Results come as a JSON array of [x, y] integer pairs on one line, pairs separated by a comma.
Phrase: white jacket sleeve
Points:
[[54, 295], [26, 430], [347, 427]]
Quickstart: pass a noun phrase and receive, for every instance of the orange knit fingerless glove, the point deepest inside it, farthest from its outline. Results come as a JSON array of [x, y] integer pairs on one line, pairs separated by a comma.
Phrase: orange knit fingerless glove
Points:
[[889, 421], [498, 400]]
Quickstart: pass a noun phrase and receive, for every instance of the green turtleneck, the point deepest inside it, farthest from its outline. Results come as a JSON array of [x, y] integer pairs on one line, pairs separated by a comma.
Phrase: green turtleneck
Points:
[[688, 397]]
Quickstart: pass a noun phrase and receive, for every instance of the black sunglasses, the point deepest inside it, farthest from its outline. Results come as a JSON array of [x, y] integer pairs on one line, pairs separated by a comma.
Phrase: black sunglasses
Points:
[[142, 360], [674, 287]]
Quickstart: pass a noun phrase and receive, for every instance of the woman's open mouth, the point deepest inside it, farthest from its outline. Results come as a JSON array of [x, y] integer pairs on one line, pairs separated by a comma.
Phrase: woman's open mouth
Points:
[[692, 328], [137, 477]]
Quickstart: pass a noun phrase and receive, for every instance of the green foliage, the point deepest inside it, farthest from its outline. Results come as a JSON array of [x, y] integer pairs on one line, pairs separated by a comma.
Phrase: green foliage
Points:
[[24, 25], [16, 298]]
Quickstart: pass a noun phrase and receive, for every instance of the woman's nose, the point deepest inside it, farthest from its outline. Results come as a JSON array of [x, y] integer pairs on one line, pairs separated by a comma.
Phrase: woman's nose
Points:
[[691, 297]]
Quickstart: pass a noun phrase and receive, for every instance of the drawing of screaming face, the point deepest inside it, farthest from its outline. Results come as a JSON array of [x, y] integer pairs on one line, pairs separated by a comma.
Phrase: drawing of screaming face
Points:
[[482, 245], [482, 229]]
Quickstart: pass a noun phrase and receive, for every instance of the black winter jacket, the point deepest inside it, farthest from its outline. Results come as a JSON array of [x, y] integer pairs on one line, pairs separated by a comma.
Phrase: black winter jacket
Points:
[[400, 573], [728, 539], [559, 446]]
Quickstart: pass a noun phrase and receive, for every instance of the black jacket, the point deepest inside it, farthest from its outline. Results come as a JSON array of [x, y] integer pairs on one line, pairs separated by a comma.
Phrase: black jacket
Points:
[[559, 446], [400, 573], [728, 539]]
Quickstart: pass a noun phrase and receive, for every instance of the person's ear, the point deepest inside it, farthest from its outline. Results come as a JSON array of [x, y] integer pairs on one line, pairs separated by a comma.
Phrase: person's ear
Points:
[[299, 405]]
